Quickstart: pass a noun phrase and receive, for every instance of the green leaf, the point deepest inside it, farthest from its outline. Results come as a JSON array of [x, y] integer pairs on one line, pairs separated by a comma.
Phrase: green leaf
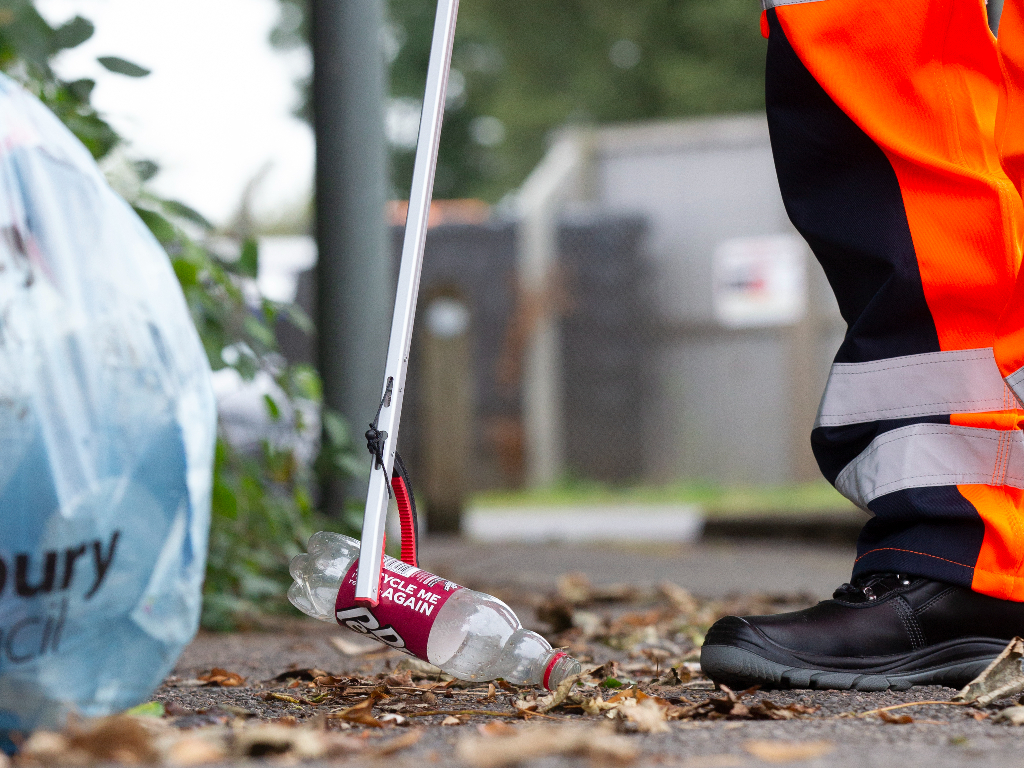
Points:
[[611, 682], [335, 428], [270, 311], [174, 208], [146, 169], [149, 709], [298, 317], [306, 382], [161, 228], [82, 89], [259, 332], [249, 260], [272, 407], [72, 33], [98, 137], [186, 271], [247, 364], [122, 66], [225, 502]]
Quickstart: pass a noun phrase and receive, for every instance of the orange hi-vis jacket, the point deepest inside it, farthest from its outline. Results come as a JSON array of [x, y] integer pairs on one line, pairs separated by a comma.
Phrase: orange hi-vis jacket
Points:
[[898, 135]]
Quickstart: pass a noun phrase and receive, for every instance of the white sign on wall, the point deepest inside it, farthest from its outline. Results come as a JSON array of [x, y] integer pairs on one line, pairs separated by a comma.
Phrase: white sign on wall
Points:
[[760, 281]]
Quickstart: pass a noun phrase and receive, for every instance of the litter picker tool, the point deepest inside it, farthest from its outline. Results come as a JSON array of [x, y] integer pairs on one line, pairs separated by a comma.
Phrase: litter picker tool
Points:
[[387, 473]]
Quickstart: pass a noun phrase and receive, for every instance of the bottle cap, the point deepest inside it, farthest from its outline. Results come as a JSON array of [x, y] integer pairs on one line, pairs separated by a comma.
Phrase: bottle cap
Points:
[[551, 665]]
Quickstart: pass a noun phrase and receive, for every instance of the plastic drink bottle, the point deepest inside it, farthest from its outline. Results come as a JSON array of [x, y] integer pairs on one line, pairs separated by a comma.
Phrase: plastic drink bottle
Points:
[[469, 635]]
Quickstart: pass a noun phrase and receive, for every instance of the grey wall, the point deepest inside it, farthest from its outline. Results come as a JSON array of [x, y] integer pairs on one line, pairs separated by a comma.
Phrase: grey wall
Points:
[[730, 405]]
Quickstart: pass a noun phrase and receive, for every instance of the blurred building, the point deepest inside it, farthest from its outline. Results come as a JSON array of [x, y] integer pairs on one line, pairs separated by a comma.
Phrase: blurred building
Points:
[[645, 313], [744, 323]]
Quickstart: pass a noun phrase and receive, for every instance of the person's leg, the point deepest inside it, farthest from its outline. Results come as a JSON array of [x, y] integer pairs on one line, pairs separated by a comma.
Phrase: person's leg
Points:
[[882, 118], [1009, 343]]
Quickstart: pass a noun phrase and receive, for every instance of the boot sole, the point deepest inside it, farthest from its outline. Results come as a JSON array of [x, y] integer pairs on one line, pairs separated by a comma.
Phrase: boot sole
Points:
[[740, 668]]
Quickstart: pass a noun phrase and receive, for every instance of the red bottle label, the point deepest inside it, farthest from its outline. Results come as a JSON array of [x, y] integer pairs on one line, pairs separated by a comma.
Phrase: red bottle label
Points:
[[410, 600]]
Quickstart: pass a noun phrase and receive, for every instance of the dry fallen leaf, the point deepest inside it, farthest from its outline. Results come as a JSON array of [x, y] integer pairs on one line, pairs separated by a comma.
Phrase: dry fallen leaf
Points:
[[223, 678], [645, 716], [595, 705], [560, 694], [330, 681], [496, 728], [393, 718], [675, 676], [765, 709], [271, 740], [361, 713], [730, 704], [575, 588], [421, 670], [307, 674], [116, 739], [399, 679], [525, 705], [885, 717], [557, 613], [1002, 679], [1011, 715], [680, 598], [788, 751], [451, 720], [48, 748], [194, 750], [534, 742], [398, 744]]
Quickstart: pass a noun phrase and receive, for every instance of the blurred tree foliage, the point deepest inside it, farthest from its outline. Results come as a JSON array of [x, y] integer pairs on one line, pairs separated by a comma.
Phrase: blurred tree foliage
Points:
[[262, 508], [521, 69]]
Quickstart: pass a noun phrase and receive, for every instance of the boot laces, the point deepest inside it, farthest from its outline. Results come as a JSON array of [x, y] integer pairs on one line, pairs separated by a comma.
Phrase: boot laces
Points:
[[871, 586]]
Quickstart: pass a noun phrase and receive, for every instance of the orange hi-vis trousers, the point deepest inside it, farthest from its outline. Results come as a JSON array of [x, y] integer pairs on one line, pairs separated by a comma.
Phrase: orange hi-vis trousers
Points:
[[898, 135]]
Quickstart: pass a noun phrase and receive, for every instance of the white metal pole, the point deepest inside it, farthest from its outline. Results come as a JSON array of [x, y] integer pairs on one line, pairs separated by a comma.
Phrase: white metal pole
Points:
[[370, 558]]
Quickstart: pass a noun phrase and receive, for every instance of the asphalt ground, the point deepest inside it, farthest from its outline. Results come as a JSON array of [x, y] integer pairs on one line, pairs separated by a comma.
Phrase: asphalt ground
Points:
[[829, 733], [713, 569]]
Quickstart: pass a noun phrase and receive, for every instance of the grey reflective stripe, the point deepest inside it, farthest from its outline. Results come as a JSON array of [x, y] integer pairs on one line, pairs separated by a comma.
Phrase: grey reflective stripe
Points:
[[766, 4], [932, 384], [928, 455], [1016, 383]]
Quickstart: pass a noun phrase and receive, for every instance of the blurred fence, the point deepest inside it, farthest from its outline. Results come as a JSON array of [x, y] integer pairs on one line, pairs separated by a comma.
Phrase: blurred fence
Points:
[[691, 328]]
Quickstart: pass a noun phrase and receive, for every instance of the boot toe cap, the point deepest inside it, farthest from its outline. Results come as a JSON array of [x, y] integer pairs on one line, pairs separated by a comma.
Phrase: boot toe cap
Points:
[[733, 631]]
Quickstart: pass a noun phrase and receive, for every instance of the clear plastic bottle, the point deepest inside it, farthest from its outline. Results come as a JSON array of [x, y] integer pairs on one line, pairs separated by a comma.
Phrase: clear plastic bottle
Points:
[[472, 636]]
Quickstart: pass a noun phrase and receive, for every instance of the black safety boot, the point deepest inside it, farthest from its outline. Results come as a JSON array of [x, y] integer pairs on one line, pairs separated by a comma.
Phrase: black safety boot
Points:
[[884, 631]]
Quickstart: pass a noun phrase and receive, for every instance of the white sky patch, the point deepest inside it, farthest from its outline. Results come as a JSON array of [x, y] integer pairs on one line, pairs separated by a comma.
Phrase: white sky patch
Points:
[[217, 106]]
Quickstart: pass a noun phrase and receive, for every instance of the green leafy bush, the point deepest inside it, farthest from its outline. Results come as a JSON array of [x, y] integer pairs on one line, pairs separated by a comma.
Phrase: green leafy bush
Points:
[[262, 507]]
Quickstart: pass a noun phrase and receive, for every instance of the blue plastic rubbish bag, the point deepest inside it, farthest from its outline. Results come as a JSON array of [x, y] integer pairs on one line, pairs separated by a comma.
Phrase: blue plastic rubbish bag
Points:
[[107, 428]]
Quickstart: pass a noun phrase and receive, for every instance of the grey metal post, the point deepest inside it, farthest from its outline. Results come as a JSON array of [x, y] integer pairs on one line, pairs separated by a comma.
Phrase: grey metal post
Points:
[[354, 265]]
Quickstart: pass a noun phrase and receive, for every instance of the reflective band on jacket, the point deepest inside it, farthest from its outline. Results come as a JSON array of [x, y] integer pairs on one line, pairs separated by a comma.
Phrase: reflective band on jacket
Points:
[[766, 4], [932, 384], [1016, 383], [928, 455]]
